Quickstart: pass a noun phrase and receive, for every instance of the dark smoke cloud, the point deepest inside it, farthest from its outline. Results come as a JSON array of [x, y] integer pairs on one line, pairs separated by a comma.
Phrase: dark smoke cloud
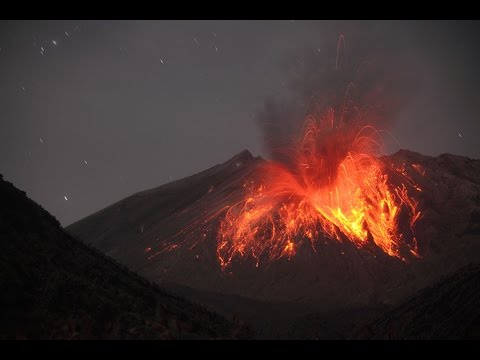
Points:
[[363, 81]]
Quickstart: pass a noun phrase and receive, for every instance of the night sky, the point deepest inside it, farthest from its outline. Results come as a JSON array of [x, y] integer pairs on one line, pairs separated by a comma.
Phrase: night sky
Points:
[[94, 111]]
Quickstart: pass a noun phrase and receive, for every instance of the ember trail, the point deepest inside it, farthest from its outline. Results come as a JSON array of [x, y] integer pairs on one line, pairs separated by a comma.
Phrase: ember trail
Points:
[[337, 187]]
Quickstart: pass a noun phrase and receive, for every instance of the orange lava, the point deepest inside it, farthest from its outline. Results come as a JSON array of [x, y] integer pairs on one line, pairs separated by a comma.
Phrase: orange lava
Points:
[[337, 187]]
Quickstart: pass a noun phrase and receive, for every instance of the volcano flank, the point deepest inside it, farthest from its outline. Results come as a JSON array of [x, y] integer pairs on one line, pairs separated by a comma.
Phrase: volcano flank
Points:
[[168, 234]]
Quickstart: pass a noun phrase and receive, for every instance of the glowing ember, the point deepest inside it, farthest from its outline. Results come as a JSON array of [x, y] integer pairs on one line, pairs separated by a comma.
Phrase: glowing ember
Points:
[[337, 187]]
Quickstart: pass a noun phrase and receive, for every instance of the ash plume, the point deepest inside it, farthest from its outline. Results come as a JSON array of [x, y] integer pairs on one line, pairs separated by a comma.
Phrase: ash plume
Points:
[[362, 83]]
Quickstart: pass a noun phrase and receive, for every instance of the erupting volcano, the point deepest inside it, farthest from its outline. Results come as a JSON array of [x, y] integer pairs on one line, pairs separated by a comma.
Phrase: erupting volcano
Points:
[[351, 217], [329, 182], [332, 184], [327, 220], [337, 186]]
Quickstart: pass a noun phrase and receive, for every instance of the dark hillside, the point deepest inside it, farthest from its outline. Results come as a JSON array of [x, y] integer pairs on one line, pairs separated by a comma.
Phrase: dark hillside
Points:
[[55, 287]]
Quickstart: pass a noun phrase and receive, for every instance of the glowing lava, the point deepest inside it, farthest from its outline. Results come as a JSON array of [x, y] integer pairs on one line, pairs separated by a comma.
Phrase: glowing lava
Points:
[[337, 187]]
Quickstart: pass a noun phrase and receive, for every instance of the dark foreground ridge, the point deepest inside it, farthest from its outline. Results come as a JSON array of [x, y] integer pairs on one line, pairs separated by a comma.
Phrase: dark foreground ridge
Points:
[[55, 287], [448, 310]]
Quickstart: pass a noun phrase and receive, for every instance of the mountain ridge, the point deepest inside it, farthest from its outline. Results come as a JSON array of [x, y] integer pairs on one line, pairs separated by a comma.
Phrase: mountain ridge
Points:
[[55, 287]]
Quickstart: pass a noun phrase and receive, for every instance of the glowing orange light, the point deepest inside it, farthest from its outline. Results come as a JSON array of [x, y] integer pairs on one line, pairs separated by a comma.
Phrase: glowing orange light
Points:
[[337, 187]]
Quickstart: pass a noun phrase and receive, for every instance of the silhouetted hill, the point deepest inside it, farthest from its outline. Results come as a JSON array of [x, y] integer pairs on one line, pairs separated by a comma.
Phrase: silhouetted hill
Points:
[[449, 310], [55, 287]]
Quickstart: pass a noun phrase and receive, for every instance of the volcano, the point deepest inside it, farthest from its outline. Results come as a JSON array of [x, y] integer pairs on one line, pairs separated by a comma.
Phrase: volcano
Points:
[[328, 224], [169, 235]]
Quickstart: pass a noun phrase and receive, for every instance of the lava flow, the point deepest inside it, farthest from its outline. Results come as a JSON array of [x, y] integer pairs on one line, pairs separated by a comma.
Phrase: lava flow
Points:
[[337, 187]]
